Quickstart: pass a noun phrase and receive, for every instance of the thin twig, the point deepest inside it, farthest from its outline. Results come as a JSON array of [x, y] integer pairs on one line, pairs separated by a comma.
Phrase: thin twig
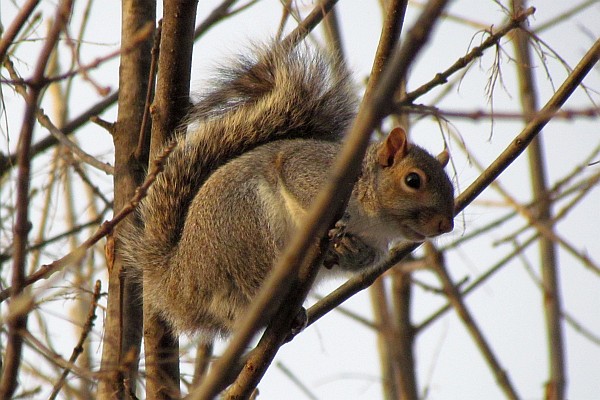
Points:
[[518, 249], [388, 343], [44, 120], [12, 31], [310, 22], [462, 62], [457, 302], [217, 14], [75, 149], [296, 381], [78, 349], [7, 162], [141, 36], [565, 114], [47, 270], [14, 343], [57, 359], [6, 293], [144, 131], [386, 339]]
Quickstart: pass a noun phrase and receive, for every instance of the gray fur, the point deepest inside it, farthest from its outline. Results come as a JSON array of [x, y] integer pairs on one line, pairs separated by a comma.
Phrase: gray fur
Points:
[[232, 194]]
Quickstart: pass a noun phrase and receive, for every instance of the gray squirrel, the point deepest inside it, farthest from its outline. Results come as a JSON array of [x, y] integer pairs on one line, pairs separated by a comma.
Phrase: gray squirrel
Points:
[[237, 185]]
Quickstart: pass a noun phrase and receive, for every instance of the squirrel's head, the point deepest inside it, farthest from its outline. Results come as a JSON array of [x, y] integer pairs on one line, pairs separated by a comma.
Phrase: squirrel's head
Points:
[[414, 191]]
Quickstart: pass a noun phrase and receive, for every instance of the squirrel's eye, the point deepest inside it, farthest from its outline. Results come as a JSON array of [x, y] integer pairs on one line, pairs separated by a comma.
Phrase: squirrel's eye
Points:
[[413, 180]]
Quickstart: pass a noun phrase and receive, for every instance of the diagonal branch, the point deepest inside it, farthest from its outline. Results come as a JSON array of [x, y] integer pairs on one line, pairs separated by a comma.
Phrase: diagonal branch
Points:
[[505, 159], [13, 30], [336, 192], [492, 40]]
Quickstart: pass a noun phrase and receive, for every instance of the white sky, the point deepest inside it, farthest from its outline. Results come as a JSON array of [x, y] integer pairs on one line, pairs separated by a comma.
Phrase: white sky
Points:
[[337, 358]]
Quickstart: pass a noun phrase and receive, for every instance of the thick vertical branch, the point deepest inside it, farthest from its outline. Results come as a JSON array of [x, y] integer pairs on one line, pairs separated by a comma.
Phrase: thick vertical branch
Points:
[[122, 330], [168, 110], [555, 388]]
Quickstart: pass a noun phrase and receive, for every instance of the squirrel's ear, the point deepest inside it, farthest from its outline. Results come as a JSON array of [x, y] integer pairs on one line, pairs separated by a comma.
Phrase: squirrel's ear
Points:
[[443, 158], [394, 147]]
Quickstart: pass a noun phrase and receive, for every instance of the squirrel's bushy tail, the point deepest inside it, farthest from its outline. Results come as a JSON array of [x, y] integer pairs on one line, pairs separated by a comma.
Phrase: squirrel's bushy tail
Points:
[[280, 93]]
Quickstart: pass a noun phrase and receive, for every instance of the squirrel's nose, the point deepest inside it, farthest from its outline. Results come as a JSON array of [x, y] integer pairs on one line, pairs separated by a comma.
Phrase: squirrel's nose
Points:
[[445, 224]]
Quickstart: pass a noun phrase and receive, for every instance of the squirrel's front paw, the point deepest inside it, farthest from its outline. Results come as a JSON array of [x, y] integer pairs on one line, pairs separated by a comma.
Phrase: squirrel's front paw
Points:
[[347, 250], [353, 253]]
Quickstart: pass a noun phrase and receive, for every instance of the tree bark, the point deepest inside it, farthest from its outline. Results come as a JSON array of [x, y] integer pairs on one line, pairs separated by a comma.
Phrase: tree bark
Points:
[[169, 108], [122, 332]]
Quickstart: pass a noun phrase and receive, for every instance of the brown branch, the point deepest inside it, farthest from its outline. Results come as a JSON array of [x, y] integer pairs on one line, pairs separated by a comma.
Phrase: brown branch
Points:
[[141, 151], [576, 9], [14, 343], [544, 227], [13, 30], [6, 293], [217, 14], [282, 325], [310, 22], [45, 121], [141, 36], [169, 109], [204, 352], [518, 249], [390, 36], [296, 381], [220, 12], [388, 336], [88, 182], [520, 143], [333, 34], [55, 358], [569, 319], [477, 283], [462, 62], [405, 335], [123, 325], [565, 114], [455, 299]]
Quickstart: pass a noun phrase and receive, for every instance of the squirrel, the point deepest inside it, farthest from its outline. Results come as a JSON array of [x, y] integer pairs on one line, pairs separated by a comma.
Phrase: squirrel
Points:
[[238, 183]]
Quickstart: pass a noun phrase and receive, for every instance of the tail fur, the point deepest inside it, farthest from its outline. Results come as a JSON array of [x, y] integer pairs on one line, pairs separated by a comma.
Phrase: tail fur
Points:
[[281, 93]]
